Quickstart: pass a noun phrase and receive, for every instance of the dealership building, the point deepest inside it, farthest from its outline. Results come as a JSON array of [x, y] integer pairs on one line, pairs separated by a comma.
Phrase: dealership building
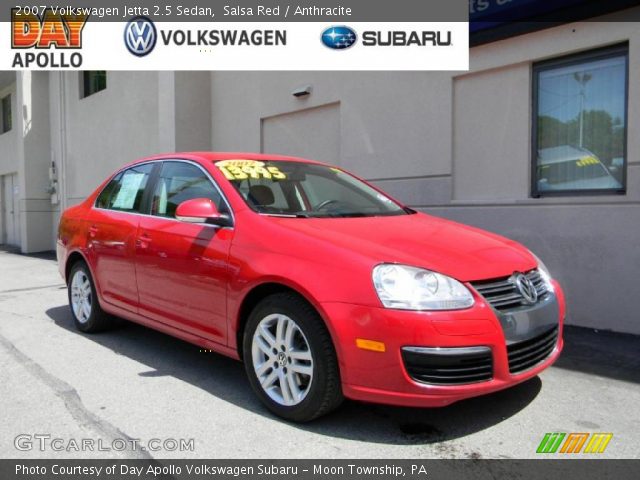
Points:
[[534, 142]]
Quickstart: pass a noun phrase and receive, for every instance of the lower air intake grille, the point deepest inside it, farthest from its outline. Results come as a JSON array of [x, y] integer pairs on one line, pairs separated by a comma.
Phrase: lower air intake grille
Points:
[[527, 354], [448, 366]]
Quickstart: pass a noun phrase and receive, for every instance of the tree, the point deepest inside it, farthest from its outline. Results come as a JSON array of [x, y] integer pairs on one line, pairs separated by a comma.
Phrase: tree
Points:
[[602, 134]]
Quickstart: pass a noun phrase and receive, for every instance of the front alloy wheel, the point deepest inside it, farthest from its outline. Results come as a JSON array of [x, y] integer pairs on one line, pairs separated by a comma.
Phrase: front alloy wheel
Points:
[[282, 359], [290, 359]]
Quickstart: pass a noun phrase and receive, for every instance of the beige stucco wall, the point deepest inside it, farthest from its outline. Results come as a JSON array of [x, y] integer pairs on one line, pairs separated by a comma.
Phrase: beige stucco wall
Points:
[[33, 173], [9, 156], [24, 150], [458, 145], [109, 128], [453, 144], [192, 111], [387, 123], [9, 153]]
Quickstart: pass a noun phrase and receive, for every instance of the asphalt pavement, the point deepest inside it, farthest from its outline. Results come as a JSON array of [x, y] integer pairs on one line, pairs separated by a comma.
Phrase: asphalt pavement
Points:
[[68, 392]]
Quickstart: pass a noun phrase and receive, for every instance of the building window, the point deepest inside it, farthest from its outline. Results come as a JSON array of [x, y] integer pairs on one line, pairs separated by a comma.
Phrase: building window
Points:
[[7, 122], [580, 123], [93, 82]]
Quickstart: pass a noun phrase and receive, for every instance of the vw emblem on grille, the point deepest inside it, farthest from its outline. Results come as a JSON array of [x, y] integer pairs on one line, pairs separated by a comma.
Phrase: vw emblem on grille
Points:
[[526, 288]]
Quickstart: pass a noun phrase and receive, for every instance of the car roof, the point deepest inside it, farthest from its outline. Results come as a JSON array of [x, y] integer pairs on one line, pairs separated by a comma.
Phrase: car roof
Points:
[[562, 153], [215, 156]]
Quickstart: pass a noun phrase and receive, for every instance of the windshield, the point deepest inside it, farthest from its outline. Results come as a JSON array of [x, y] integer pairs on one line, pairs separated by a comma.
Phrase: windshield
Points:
[[578, 169], [305, 190]]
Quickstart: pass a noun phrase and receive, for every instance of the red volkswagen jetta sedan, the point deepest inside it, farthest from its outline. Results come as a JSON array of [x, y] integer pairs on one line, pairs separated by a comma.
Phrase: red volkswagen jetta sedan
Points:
[[322, 284]]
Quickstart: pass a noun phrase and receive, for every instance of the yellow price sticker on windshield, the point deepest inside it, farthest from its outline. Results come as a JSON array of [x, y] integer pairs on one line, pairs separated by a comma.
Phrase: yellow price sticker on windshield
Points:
[[584, 161], [239, 170]]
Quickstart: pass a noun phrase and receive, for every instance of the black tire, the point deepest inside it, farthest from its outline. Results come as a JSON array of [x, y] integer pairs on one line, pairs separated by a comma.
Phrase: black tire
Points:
[[98, 320], [324, 392]]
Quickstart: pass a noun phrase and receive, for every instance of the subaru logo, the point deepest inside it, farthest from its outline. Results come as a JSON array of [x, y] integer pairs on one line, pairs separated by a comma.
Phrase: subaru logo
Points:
[[526, 288], [339, 37], [140, 36]]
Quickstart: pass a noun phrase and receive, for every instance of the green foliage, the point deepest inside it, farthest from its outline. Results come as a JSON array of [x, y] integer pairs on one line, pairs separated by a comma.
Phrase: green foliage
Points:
[[602, 134]]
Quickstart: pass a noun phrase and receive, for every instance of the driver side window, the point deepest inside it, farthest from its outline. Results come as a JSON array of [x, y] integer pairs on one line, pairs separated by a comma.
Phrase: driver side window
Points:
[[179, 182]]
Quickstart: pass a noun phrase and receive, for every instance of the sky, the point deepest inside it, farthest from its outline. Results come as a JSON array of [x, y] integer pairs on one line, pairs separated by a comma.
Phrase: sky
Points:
[[559, 92]]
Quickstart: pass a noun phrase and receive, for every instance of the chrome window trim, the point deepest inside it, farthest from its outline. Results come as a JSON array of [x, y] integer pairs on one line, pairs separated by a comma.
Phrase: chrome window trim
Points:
[[178, 160]]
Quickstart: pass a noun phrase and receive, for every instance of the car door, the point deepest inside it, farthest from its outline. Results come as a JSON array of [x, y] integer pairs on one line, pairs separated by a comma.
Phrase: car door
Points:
[[182, 269], [112, 228]]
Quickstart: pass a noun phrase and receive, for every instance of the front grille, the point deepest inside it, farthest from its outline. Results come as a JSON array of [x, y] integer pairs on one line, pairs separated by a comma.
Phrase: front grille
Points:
[[448, 366], [527, 354], [502, 294]]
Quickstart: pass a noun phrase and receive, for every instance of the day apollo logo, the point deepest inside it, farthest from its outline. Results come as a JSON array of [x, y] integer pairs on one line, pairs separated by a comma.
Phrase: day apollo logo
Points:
[[339, 37], [43, 29], [140, 36]]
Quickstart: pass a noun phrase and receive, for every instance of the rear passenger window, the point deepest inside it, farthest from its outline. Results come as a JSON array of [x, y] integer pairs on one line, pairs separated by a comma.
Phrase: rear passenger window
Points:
[[124, 193], [180, 182], [105, 195]]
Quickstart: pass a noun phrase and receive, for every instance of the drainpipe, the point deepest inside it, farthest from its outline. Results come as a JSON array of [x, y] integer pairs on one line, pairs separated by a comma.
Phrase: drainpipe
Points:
[[62, 180]]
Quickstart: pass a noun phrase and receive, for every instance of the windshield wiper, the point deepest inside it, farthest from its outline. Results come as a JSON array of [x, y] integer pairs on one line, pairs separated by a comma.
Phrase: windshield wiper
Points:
[[331, 214], [286, 215], [351, 215]]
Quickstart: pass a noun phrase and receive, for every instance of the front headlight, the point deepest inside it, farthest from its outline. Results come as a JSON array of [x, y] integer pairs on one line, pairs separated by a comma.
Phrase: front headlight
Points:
[[544, 273], [409, 288]]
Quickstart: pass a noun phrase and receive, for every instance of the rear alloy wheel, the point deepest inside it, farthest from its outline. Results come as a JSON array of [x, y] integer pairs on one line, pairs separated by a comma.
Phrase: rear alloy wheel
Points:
[[87, 315], [290, 359], [81, 296]]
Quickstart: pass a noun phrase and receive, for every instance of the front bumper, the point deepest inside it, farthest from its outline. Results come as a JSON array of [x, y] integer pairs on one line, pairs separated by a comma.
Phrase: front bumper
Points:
[[381, 377]]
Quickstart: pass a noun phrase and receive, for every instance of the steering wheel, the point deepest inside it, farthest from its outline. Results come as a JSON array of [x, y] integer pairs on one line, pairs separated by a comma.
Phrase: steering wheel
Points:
[[326, 203]]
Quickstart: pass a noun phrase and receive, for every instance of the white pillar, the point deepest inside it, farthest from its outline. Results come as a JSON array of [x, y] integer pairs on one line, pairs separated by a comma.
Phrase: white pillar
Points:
[[166, 112]]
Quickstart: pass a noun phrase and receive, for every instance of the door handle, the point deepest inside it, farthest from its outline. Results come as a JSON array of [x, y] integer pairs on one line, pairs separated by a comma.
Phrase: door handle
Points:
[[143, 240]]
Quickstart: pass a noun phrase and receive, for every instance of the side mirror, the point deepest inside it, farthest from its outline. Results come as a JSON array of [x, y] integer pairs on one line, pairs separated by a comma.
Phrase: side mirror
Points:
[[201, 210]]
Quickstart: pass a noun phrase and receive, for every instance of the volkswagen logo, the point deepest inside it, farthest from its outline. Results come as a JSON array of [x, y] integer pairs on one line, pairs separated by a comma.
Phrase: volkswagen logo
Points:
[[282, 359], [526, 288], [339, 37], [140, 36]]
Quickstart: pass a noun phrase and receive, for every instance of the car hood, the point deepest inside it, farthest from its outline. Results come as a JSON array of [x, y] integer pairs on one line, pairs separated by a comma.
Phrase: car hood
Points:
[[587, 183], [460, 251]]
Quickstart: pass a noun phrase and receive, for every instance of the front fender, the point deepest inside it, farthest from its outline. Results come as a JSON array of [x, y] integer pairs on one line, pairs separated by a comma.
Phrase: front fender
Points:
[[311, 279]]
